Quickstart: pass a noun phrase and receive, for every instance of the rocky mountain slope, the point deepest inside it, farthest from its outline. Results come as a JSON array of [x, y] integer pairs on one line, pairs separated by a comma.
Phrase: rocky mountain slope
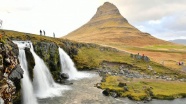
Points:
[[109, 27]]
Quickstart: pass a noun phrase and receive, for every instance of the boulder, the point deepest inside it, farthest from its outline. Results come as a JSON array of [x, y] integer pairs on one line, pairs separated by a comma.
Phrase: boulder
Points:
[[106, 92], [17, 73], [126, 88], [122, 84], [114, 94], [64, 76]]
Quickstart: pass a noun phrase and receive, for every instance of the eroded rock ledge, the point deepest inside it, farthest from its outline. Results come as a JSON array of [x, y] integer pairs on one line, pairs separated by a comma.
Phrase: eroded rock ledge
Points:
[[10, 72]]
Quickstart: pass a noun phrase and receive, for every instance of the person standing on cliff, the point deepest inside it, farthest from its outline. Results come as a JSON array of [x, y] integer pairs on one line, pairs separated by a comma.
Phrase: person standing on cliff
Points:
[[1, 23], [54, 35], [44, 32], [40, 32]]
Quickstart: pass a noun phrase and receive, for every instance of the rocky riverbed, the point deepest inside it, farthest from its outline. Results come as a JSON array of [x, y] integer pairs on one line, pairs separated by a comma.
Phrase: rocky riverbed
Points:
[[83, 92]]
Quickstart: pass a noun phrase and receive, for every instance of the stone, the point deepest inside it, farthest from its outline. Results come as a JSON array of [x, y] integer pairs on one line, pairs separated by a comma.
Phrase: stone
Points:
[[114, 94], [126, 88], [150, 67], [106, 92], [121, 72], [146, 59], [17, 73], [98, 85], [64, 76], [66, 82], [122, 84], [103, 79]]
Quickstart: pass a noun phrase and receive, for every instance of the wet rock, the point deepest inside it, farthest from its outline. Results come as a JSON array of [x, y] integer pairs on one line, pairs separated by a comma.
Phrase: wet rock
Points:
[[30, 62], [66, 82], [113, 94], [48, 51], [106, 92], [64, 76]]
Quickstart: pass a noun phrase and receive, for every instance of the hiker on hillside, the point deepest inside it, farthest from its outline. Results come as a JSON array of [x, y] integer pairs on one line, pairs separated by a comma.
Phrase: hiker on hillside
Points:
[[54, 35], [44, 32], [40, 32], [1, 23], [179, 63]]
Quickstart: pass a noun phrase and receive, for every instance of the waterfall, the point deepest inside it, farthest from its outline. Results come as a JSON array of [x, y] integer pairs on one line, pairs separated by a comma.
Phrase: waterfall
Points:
[[27, 88], [67, 66], [44, 85]]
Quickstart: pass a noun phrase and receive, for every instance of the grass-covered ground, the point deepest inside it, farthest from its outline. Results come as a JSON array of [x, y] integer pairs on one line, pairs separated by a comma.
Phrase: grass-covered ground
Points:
[[92, 56], [140, 89]]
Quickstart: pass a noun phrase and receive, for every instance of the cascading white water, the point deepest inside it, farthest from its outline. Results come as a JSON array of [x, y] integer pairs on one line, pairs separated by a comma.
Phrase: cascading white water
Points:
[[27, 88], [44, 85], [67, 66]]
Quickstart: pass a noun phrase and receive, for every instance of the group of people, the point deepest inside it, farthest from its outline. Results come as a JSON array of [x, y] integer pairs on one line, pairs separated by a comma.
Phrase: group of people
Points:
[[8, 61], [43, 33], [180, 63]]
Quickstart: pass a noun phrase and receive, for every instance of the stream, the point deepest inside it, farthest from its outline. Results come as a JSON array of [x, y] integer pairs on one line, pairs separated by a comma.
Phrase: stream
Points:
[[83, 92]]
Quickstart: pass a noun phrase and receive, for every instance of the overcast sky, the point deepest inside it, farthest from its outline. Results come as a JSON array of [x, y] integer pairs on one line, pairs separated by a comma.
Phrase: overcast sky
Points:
[[165, 19]]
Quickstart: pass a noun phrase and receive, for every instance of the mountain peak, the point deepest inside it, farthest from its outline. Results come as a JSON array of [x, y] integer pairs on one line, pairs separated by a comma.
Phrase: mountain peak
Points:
[[108, 11], [107, 7], [108, 26]]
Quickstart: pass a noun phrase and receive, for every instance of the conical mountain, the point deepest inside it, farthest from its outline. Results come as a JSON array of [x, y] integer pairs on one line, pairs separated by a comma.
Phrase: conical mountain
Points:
[[109, 27]]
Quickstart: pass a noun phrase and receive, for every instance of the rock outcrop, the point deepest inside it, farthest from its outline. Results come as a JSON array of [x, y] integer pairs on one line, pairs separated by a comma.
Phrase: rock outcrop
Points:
[[30, 62], [10, 71], [48, 51]]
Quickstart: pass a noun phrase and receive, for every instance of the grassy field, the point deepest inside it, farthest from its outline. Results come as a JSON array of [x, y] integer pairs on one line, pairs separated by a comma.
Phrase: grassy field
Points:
[[140, 89], [92, 57]]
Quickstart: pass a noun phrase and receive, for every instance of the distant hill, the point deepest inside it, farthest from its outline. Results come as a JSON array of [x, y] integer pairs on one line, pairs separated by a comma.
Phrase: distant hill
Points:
[[109, 27], [179, 41]]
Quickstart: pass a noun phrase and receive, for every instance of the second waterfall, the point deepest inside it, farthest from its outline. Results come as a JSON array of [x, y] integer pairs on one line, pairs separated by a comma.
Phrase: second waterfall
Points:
[[44, 85], [67, 66]]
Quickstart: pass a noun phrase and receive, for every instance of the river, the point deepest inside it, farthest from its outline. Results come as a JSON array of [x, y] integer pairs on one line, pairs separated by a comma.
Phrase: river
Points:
[[83, 92]]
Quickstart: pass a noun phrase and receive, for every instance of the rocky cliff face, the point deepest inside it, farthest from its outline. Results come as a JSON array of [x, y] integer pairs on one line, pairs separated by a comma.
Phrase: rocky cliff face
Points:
[[30, 62], [48, 51], [10, 71]]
